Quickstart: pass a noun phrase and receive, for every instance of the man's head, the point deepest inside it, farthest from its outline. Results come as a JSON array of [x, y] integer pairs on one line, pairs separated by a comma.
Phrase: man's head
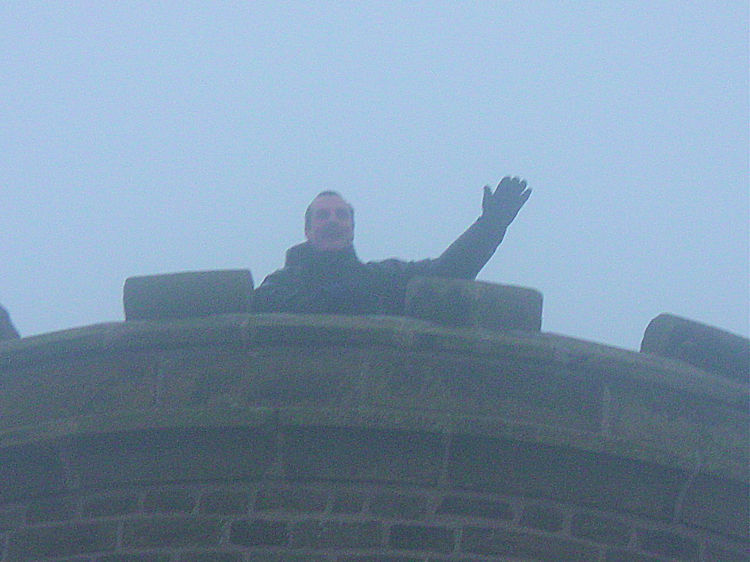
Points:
[[329, 222]]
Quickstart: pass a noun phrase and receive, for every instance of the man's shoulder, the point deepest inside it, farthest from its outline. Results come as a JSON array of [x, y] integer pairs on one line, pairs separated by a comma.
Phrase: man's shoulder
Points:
[[295, 255], [7, 329]]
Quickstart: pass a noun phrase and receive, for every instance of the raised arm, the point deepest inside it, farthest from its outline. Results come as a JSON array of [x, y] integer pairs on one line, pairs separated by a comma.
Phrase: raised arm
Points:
[[472, 250]]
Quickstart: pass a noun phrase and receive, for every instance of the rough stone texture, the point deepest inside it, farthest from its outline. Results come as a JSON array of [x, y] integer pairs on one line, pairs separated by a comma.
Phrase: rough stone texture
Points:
[[169, 501], [543, 518], [290, 499], [497, 542], [61, 540], [259, 532], [358, 455], [293, 535], [422, 538], [29, 471], [717, 504], [474, 507], [171, 531], [110, 505], [474, 304], [398, 506], [337, 534], [225, 502], [213, 556], [706, 347], [666, 543], [139, 557], [347, 502], [280, 437], [51, 509], [623, 555], [600, 529], [170, 455], [723, 553], [187, 294], [562, 474]]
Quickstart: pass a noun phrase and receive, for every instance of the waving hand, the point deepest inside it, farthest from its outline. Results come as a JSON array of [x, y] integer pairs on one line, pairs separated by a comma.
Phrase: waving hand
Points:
[[503, 205]]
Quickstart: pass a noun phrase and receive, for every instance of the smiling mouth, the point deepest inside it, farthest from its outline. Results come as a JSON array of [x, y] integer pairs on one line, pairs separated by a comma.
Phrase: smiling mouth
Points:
[[333, 232]]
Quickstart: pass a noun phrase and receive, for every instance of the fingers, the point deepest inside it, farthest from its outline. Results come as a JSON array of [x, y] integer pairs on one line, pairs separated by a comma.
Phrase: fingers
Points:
[[511, 186], [504, 184], [524, 196]]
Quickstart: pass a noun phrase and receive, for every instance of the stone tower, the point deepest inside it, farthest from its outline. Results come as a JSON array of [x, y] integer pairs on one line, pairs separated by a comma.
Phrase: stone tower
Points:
[[280, 437]]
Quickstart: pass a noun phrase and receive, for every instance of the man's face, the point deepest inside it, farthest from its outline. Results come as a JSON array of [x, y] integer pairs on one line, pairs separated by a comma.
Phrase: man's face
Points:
[[331, 226]]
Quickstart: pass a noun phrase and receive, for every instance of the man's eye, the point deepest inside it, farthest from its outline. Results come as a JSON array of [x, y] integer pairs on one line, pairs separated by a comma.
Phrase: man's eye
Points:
[[342, 214], [322, 214]]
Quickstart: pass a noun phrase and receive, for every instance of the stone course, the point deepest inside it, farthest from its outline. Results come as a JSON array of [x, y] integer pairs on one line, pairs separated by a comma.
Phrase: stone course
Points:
[[324, 534]]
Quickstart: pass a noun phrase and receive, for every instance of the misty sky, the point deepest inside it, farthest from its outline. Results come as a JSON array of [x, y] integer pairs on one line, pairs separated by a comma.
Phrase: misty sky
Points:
[[144, 137]]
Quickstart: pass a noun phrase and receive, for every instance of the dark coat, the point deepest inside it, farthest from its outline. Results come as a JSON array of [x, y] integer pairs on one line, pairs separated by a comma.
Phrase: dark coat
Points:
[[314, 281], [7, 330]]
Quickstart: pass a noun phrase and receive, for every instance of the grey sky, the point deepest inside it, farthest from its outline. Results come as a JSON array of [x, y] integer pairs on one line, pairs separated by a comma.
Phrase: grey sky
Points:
[[141, 137]]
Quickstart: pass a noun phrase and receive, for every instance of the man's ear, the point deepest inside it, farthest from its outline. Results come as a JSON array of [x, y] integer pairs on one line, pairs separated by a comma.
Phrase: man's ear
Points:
[[307, 233]]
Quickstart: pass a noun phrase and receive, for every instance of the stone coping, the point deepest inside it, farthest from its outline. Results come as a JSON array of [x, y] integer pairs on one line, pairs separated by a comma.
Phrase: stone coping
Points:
[[251, 330], [568, 392]]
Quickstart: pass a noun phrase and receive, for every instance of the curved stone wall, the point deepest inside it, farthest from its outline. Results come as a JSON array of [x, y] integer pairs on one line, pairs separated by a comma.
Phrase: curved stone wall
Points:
[[281, 437]]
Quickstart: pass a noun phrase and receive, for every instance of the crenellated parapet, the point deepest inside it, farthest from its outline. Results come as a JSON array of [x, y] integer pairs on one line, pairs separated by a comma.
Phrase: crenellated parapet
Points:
[[264, 437]]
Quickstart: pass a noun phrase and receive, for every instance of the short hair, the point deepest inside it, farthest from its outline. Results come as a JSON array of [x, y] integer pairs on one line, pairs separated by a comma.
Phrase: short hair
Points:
[[327, 193]]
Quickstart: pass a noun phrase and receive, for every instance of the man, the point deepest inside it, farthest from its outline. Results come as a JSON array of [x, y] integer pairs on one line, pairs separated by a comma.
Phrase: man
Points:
[[324, 274], [7, 330]]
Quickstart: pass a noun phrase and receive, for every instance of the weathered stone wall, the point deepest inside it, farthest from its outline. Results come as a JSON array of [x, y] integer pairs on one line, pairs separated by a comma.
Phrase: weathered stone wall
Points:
[[274, 437]]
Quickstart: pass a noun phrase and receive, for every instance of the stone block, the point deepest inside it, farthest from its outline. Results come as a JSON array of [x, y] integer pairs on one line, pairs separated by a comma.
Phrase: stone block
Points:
[[723, 553], [542, 517], [521, 390], [291, 499], [211, 556], [475, 507], [562, 474], [346, 501], [70, 539], [139, 557], [708, 348], [524, 546], [282, 555], [337, 534], [225, 502], [280, 376], [110, 505], [51, 509], [351, 454], [381, 558], [676, 423], [721, 505], [600, 529], [474, 304], [666, 543], [31, 471], [625, 555], [171, 532], [422, 537], [168, 501], [187, 294], [172, 455], [11, 517], [75, 383], [398, 506], [259, 532]]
